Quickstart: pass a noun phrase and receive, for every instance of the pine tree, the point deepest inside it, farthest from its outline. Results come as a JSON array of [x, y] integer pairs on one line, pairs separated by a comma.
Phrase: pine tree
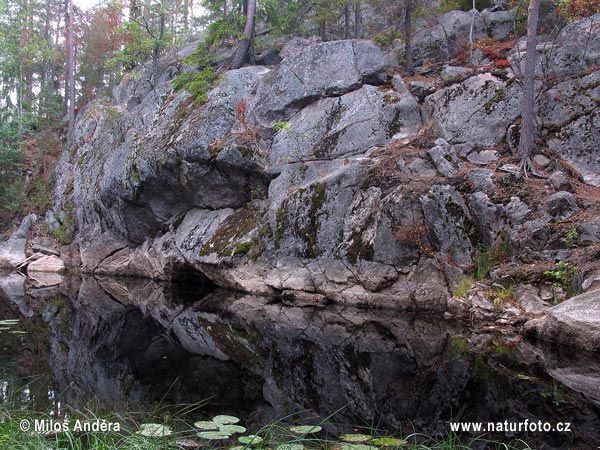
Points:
[[528, 130]]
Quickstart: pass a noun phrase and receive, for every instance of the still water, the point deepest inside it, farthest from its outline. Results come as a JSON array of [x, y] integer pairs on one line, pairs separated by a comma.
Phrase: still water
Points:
[[130, 345]]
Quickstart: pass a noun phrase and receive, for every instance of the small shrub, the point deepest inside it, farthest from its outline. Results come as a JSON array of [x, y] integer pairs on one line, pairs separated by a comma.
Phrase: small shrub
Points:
[[571, 237], [386, 38], [565, 274], [282, 125], [463, 5], [413, 235], [197, 84]]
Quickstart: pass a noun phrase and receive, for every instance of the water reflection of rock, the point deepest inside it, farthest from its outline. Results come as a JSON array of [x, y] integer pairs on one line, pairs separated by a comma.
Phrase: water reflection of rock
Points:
[[111, 340]]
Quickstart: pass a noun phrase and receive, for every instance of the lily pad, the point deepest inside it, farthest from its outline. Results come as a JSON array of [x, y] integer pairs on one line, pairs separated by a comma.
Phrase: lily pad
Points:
[[207, 425], [389, 442], [154, 430], [521, 376], [225, 420], [355, 437], [306, 429], [251, 439], [290, 446], [232, 429], [214, 435], [345, 446], [237, 447]]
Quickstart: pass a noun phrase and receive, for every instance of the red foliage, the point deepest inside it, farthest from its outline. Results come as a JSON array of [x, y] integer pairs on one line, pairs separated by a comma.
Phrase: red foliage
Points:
[[241, 110], [578, 9]]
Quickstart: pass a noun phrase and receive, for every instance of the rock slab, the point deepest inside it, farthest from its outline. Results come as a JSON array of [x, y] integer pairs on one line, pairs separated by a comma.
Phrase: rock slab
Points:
[[575, 322]]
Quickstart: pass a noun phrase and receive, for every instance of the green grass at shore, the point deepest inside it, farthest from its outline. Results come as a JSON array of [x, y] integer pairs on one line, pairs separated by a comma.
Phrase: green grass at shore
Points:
[[172, 432]]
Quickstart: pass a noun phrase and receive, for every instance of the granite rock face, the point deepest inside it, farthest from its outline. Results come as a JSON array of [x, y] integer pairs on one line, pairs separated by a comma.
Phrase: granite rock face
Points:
[[478, 110], [317, 177]]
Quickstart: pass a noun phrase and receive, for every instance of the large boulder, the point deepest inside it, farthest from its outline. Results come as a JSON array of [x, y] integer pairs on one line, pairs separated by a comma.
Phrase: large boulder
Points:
[[499, 24], [576, 50], [575, 322], [12, 251], [450, 35], [321, 70], [478, 110], [47, 263], [449, 223], [570, 110]]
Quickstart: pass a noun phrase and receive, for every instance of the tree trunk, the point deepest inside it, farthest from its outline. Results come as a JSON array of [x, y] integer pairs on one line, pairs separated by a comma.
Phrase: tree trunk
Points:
[[408, 59], [158, 43], [472, 12], [70, 67], [244, 45], [347, 20], [527, 138], [134, 10], [186, 13], [357, 20]]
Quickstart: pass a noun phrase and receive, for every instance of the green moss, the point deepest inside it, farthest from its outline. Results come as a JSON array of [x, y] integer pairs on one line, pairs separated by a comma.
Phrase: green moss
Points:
[[394, 125], [359, 250], [246, 152], [134, 173], [66, 231], [390, 99], [304, 226], [237, 343], [281, 222], [453, 209], [226, 240], [499, 95], [309, 232], [242, 248], [197, 84]]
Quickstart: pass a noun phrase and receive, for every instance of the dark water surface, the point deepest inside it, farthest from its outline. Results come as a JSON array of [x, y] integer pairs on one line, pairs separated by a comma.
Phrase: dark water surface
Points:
[[129, 345]]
